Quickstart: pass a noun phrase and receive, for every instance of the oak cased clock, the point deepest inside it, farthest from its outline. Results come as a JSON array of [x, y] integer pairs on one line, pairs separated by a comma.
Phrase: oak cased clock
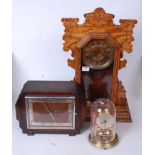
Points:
[[97, 47]]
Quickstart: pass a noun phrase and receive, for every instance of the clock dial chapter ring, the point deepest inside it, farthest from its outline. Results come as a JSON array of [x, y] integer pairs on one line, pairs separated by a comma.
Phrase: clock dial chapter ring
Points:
[[97, 54], [101, 66]]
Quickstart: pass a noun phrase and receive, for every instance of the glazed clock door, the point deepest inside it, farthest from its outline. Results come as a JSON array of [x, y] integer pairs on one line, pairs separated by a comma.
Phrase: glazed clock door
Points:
[[49, 112], [98, 56]]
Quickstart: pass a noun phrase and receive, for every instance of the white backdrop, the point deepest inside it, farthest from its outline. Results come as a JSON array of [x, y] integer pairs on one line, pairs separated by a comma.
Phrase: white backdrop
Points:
[[38, 45]]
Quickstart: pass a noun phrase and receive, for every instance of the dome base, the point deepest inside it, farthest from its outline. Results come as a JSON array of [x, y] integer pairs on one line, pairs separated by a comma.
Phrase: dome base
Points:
[[102, 145]]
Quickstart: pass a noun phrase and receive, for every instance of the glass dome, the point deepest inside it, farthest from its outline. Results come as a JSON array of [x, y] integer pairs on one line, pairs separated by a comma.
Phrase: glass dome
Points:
[[103, 123]]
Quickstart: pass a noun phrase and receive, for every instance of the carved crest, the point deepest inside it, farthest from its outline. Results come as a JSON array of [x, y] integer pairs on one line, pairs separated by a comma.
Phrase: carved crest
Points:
[[98, 15], [96, 22]]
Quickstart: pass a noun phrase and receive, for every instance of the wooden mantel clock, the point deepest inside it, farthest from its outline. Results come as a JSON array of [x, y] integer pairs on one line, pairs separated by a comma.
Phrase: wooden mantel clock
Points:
[[97, 48]]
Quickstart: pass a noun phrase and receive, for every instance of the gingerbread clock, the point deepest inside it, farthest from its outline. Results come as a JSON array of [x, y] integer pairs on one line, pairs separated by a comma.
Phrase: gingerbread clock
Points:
[[97, 48]]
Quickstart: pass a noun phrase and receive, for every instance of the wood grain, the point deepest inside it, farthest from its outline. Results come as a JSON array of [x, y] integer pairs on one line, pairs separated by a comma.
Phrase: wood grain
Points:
[[100, 25], [97, 21]]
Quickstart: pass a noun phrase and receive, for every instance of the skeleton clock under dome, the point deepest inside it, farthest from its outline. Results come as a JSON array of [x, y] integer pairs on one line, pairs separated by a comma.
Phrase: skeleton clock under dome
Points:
[[97, 47]]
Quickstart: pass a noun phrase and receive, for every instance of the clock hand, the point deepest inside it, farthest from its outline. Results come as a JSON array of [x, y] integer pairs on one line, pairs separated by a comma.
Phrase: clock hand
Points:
[[98, 55], [48, 110]]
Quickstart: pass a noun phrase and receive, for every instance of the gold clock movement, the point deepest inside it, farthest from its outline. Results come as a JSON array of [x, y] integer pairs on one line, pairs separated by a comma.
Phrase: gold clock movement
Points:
[[97, 54]]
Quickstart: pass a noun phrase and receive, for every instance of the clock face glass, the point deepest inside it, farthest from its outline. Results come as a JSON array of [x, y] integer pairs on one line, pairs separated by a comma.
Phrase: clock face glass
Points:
[[50, 112], [97, 54], [105, 120]]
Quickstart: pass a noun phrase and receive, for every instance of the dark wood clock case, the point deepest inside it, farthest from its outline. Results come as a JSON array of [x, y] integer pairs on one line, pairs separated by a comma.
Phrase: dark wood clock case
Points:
[[50, 107]]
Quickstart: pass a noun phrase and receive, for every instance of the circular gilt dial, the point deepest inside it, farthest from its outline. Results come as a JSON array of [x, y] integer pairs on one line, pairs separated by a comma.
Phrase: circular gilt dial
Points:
[[97, 54], [105, 121]]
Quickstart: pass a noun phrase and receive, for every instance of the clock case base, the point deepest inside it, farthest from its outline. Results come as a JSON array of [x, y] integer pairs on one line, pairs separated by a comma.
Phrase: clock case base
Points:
[[122, 108], [102, 145]]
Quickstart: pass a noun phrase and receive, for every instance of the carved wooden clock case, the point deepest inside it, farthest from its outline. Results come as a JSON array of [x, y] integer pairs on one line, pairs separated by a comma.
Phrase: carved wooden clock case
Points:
[[97, 48]]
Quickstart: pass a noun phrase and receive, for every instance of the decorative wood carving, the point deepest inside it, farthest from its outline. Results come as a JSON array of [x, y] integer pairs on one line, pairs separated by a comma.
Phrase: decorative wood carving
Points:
[[96, 22], [100, 25], [121, 92]]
